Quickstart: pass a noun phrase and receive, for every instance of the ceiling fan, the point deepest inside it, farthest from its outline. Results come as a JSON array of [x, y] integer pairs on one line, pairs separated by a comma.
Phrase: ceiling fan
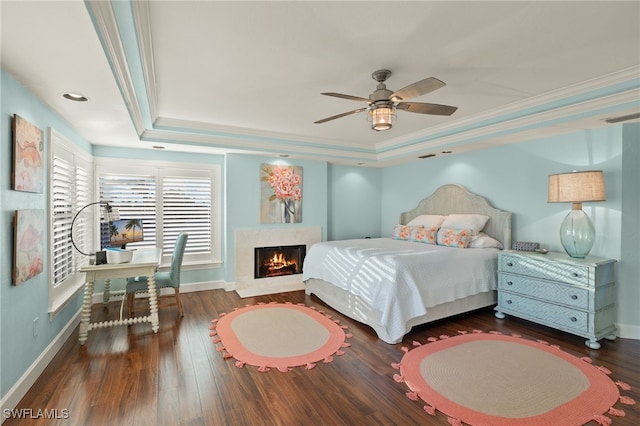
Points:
[[383, 102]]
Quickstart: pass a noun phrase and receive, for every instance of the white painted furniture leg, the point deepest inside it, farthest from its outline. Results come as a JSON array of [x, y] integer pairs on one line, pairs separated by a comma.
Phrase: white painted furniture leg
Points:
[[592, 344], [85, 315], [153, 304], [106, 295]]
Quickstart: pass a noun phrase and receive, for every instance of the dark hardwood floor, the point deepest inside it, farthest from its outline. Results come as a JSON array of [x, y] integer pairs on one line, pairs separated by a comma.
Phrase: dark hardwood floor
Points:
[[131, 376]]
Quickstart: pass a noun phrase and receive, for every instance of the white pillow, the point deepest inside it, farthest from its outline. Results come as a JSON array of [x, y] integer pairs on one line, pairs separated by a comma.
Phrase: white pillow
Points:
[[473, 222], [482, 240], [428, 220]]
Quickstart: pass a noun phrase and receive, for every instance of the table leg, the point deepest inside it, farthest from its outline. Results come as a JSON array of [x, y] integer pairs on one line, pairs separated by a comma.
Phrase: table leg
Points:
[[153, 304], [85, 315], [106, 295]]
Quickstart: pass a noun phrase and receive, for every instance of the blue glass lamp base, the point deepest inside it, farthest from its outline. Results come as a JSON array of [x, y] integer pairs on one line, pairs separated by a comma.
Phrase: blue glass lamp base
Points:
[[577, 233]]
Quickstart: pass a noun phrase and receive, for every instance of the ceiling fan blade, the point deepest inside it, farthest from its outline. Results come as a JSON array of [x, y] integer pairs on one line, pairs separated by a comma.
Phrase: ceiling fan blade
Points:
[[422, 108], [349, 97], [416, 89], [344, 114]]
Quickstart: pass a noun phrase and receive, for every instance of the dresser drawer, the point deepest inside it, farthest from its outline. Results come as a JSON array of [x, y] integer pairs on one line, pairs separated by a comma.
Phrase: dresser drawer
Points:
[[544, 312], [577, 297], [553, 271]]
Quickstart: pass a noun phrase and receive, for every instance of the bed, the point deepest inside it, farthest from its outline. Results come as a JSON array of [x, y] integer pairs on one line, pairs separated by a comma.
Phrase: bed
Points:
[[394, 284]]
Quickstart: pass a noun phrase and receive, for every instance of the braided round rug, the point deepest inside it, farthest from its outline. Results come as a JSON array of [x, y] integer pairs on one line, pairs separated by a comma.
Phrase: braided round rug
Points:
[[493, 379], [278, 335]]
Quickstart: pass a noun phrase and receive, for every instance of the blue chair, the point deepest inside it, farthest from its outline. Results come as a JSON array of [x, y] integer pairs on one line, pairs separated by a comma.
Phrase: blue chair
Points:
[[169, 278]]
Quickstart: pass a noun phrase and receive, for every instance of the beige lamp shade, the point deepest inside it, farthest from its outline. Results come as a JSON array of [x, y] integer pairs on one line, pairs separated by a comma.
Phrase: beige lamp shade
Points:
[[576, 187]]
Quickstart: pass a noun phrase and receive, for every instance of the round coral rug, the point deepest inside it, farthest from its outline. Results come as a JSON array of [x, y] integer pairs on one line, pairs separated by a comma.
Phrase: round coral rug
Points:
[[494, 379], [278, 335]]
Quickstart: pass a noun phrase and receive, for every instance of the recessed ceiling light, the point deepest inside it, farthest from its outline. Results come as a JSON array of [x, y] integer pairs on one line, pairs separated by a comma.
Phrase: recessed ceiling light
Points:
[[75, 97]]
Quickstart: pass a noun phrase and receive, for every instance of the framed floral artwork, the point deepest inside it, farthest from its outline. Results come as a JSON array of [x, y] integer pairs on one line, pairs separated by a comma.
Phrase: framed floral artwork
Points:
[[28, 154], [280, 194], [29, 235]]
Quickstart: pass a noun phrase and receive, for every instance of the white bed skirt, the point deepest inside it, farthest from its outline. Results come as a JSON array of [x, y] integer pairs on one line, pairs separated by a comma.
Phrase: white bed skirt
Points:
[[353, 307]]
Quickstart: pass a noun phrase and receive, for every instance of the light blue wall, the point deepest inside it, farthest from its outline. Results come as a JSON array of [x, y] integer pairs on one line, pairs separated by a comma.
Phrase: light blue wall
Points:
[[629, 273], [514, 178], [242, 197], [354, 202], [20, 305]]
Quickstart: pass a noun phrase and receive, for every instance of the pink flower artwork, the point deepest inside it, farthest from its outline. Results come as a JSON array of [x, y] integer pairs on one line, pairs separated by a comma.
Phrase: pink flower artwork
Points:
[[281, 194]]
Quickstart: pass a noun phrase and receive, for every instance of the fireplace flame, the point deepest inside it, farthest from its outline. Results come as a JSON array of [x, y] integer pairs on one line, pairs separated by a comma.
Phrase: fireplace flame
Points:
[[278, 261], [278, 264]]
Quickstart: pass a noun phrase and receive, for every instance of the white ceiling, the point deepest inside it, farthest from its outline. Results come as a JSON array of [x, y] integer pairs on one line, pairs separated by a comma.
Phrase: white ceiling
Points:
[[238, 76]]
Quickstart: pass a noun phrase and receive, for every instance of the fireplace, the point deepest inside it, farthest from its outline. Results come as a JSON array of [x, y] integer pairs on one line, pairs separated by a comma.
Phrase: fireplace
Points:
[[246, 241], [278, 261]]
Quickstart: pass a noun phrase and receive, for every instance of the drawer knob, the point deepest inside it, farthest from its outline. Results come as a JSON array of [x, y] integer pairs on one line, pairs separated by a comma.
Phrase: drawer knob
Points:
[[574, 297], [575, 275], [509, 302], [574, 319], [509, 282], [509, 264]]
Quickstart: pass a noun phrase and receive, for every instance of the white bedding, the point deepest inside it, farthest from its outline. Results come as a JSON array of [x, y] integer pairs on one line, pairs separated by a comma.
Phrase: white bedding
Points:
[[402, 279]]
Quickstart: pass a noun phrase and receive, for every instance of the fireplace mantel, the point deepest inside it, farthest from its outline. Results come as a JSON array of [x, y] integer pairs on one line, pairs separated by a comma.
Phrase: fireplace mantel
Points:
[[248, 239]]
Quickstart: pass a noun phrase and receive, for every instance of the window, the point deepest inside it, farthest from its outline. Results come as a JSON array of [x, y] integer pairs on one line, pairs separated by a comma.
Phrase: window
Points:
[[169, 199], [71, 184]]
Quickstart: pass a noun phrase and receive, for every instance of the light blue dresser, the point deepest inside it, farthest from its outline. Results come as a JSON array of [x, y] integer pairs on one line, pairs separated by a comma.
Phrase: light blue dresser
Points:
[[573, 295]]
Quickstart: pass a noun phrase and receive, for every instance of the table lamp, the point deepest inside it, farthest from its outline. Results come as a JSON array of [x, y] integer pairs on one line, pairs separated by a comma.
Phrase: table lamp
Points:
[[577, 233], [110, 213]]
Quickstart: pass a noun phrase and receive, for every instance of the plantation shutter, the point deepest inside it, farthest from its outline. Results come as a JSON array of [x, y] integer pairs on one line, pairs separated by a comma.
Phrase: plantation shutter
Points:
[[187, 208], [83, 231], [135, 198], [70, 189], [169, 200], [70, 192], [62, 205]]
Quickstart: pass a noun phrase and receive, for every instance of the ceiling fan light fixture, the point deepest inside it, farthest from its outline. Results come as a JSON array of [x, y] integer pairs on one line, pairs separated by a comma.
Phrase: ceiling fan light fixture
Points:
[[383, 103], [382, 117]]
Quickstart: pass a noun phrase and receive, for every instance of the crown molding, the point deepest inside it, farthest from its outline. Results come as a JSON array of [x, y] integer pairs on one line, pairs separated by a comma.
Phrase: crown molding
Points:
[[274, 147], [105, 23], [141, 16], [186, 128], [561, 115], [601, 83]]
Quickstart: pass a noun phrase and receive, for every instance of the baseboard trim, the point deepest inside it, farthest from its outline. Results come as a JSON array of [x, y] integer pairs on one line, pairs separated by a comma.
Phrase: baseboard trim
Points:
[[627, 331], [260, 291], [22, 386]]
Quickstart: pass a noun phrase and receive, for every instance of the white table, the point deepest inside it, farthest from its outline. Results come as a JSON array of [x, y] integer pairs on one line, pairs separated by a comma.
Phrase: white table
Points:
[[144, 263]]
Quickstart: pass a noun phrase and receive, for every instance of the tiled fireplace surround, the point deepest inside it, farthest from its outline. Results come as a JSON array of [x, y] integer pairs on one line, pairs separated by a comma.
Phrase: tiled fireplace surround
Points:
[[248, 239]]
